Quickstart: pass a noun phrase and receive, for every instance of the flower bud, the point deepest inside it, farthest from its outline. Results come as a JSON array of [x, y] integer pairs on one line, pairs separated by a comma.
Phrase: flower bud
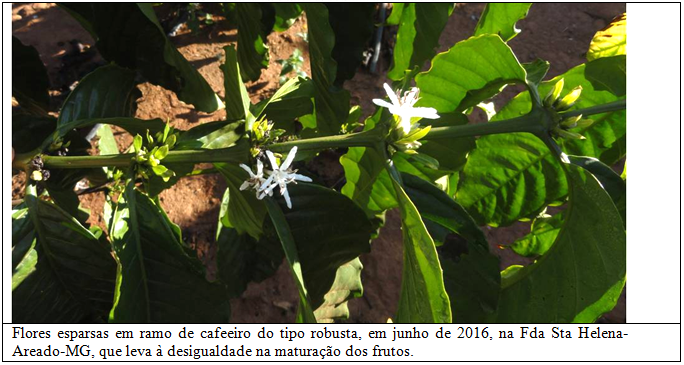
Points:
[[569, 123], [554, 93], [569, 100], [567, 134]]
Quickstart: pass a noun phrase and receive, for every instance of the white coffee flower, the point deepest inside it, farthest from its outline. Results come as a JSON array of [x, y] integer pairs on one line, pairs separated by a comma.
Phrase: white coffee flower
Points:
[[255, 180], [281, 176], [403, 108]]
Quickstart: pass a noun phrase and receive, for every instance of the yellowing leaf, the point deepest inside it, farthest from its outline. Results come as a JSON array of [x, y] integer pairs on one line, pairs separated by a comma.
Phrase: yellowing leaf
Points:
[[611, 40]]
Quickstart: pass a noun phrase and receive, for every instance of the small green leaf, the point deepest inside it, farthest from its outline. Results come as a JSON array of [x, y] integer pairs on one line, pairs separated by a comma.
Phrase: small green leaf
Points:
[[161, 152], [542, 235], [285, 15], [500, 19], [291, 101], [245, 212], [211, 135]]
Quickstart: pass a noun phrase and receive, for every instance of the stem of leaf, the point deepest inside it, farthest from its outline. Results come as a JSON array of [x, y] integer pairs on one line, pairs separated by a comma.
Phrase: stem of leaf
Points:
[[597, 109]]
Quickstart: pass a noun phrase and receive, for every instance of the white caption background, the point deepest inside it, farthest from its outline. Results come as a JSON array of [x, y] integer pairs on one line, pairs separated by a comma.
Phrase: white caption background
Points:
[[341, 342]]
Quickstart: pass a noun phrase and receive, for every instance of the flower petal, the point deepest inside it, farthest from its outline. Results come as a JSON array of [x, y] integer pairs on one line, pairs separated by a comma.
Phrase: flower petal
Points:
[[246, 168], [267, 182], [288, 160], [429, 113], [382, 103], [260, 168], [391, 94], [245, 185], [286, 195], [299, 177], [271, 158]]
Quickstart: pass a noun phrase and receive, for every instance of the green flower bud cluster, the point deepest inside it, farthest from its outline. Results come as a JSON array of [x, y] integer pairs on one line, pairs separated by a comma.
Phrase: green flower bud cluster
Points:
[[263, 134], [555, 103], [407, 142], [150, 151]]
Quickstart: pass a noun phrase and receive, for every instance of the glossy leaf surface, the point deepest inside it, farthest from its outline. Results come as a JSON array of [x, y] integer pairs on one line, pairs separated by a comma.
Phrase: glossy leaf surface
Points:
[[576, 280], [73, 269], [500, 19], [420, 25], [157, 273], [423, 298], [469, 72]]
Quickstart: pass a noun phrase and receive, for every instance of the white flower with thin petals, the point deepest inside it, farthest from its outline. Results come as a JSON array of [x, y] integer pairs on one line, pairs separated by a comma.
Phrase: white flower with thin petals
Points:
[[255, 180], [281, 176], [402, 107]]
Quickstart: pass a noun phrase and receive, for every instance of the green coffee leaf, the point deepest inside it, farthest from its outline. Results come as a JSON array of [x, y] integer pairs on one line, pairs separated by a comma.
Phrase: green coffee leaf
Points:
[[500, 19], [331, 102], [29, 131], [237, 99], [420, 25], [581, 276], [368, 184], [423, 298], [514, 176], [608, 73], [305, 312], [611, 40], [156, 274], [245, 212], [252, 49], [352, 25], [471, 273], [468, 73], [74, 270], [611, 182], [29, 78], [147, 50]]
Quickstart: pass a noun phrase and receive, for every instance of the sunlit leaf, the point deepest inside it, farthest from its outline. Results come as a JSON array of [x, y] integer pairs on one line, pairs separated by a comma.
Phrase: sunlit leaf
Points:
[[500, 19], [469, 72], [420, 25], [611, 40], [582, 274]]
